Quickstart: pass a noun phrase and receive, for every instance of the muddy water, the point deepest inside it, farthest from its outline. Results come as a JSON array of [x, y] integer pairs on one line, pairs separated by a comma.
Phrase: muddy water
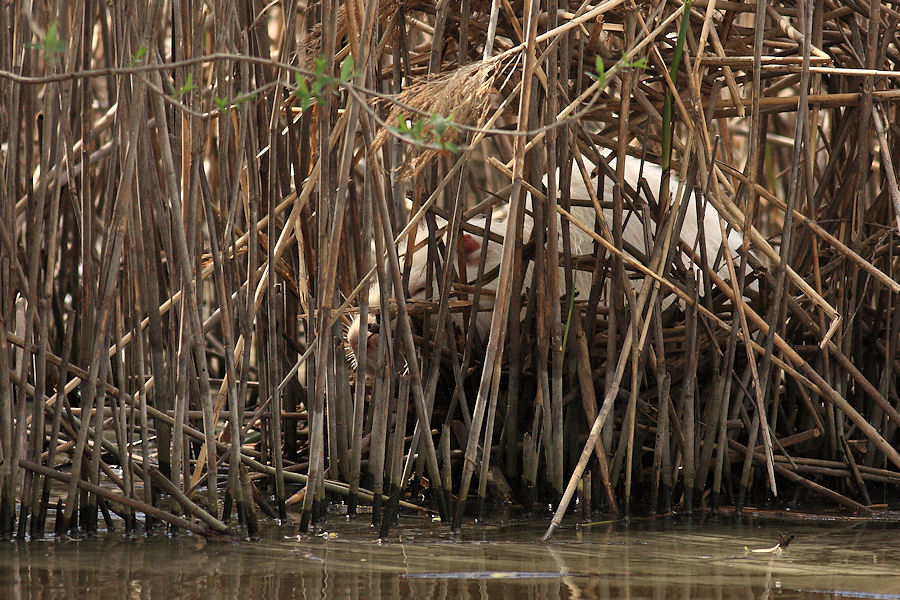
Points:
[[655, 560]]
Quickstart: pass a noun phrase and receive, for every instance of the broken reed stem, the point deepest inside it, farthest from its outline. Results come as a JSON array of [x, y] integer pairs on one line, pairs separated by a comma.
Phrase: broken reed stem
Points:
[[126, 501]]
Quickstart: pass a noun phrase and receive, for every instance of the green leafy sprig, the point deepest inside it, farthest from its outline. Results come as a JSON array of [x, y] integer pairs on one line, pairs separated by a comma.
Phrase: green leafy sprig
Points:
[[321, 85], [430, 132]]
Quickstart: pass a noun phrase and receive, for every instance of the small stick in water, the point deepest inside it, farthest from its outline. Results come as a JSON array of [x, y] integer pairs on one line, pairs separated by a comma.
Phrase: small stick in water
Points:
[[783, 542]]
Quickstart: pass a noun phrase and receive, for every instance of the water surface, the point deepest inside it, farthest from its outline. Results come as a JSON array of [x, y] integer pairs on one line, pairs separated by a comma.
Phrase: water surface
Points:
[[644, 559]]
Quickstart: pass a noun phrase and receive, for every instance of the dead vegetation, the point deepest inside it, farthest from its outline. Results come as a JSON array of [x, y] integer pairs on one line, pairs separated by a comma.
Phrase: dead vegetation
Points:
[[191, 198]]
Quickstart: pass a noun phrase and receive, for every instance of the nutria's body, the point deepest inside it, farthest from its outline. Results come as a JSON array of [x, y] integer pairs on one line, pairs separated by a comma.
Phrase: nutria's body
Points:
[[581, 243]]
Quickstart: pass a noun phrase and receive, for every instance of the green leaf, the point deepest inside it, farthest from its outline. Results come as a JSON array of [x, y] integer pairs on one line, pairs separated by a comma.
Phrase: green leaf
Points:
[[302, 91], [317, 86], [347, 68], [320, 65], [418, 128], [244, 98], [138, 56], [52, 42], [638, 63], [599, 74], [439, 124], [187, 87]]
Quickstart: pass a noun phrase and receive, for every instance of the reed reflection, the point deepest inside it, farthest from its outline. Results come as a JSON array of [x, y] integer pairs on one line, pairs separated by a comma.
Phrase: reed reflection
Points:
[[604, 563]]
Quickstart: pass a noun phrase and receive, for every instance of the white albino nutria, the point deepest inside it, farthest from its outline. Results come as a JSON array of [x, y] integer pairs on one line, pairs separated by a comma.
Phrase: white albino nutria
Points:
[[581, 243]]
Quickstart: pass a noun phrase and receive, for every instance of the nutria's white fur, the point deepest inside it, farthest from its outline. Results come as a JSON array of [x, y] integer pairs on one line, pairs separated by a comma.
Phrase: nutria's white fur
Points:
[[581, 243]]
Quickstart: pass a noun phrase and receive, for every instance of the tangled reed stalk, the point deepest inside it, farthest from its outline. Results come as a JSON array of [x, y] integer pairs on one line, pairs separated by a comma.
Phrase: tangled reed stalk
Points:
[[197, 196]]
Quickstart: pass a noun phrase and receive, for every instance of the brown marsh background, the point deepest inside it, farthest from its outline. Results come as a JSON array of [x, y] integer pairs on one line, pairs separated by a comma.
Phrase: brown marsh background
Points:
[[195, 194]]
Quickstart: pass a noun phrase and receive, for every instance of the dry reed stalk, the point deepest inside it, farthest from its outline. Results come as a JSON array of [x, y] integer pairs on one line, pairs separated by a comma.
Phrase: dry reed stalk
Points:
[[395, 470], [494, 354], [362, 358]]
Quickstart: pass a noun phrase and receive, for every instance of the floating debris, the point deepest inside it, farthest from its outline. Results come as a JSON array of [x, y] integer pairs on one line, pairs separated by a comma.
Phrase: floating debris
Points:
[[783, 542]]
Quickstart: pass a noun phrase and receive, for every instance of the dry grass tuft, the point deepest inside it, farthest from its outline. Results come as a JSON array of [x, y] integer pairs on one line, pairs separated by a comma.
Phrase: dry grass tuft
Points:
[[462, 95]]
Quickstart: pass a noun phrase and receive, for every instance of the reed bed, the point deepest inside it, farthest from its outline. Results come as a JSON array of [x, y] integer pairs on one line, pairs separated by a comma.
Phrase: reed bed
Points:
[[197, 197]]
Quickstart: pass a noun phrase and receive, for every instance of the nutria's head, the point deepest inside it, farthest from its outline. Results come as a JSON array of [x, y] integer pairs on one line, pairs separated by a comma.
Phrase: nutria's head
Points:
[[418, 282]]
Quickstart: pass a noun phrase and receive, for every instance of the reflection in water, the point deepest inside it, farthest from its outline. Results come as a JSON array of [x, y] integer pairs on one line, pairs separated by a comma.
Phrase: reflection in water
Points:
[[700, 561]]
